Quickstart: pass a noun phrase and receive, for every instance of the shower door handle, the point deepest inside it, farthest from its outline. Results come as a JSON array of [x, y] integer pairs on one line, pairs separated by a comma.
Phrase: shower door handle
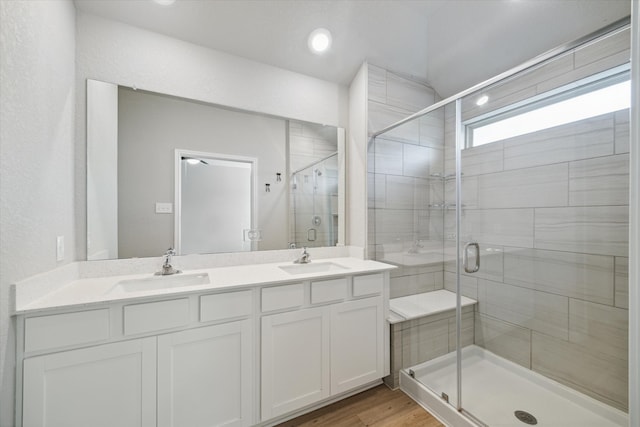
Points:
[[465, 257]]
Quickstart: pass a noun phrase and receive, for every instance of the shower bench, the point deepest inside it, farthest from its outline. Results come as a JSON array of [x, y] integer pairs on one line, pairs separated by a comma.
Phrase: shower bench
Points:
[[423, 328]]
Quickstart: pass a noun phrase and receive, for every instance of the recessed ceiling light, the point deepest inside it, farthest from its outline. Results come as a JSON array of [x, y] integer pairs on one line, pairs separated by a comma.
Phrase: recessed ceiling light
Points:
[[482, 100], [319, 40], [165, 2]]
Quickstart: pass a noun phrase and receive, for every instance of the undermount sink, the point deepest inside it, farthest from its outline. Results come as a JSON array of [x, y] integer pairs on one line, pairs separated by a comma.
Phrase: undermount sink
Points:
[[313, 267], [156, 283]]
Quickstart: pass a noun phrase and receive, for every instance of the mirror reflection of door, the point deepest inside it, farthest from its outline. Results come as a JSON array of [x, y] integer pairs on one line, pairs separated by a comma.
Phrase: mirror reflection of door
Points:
[[214, 202]]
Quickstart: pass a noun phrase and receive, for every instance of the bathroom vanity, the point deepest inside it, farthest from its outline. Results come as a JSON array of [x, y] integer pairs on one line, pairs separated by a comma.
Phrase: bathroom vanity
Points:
[[233, 346]]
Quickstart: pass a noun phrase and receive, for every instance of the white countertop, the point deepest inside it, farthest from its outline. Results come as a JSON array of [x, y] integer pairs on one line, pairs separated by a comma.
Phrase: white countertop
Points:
[[100, 290]]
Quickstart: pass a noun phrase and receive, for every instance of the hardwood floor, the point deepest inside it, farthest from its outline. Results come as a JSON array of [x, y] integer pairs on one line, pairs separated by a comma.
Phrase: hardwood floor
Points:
[[378, 406]]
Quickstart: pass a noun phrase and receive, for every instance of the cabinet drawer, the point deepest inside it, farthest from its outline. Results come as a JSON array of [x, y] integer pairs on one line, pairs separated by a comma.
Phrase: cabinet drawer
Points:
[[61, 330], [225, 306], [370, 284], [281, 297], [328, 290], [155, 316]]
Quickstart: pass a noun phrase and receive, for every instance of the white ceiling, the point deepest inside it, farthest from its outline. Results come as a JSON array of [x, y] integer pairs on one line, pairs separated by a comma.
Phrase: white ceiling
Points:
[[453, 44]]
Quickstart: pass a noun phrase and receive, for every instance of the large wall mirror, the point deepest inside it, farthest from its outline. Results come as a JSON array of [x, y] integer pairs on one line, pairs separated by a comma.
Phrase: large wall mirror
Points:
[[164, 171]]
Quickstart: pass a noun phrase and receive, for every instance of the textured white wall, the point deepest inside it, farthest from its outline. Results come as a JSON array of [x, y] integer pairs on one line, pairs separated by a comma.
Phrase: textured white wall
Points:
[[125, 55], [357, 160], [37, 113]]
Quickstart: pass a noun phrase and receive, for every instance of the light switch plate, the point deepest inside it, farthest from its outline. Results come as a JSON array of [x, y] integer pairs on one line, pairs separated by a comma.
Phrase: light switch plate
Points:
[[164, 207]]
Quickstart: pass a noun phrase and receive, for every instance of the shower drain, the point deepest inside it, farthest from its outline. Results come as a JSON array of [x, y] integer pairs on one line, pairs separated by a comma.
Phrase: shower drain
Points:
[[526, 417]]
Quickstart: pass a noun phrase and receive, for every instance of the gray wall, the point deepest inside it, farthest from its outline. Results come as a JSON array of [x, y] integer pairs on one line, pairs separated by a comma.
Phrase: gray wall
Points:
[[37, 113], [151, 126]]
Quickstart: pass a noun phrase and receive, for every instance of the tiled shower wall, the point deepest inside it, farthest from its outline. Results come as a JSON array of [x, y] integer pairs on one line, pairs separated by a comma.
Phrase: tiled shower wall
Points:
[[399, 180], [550, 211]]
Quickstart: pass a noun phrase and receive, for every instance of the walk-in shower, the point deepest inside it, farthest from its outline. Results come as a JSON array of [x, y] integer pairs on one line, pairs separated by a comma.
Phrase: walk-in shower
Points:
[[527, 178]]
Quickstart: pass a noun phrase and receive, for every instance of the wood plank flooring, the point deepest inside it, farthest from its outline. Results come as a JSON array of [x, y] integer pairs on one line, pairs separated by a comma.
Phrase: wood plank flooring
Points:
[[378, 407]]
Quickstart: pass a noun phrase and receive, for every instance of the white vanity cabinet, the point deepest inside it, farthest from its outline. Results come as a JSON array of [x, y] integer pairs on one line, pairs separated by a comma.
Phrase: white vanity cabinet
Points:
[[241, 355], [334, 344], [176, 362], [102, 386], [295, 360], [357, 343], [205, 376]]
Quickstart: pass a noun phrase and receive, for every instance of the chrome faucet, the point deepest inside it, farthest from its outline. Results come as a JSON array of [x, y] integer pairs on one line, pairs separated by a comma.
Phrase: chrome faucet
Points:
[[305, 257], [167, 268]]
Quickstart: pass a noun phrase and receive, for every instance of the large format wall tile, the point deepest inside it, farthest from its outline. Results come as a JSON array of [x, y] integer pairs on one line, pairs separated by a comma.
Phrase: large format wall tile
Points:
[[596, 230], [408, 94], [622, 131], [484, 159], [575, 141], [585, 70], [412, 270], [588, 277], [468, 284], [432, 129], [531, 187], [504, 339], [400, 192], [387, 157], [393, 225], [469, 192], [467, 330], [377, 190], [599, 326], [539, 311], [609, 46], [425, 342], [599, 181], [587, 370], [622, 282], [507, 227], [381, 115], [414, 284], [418, 160]]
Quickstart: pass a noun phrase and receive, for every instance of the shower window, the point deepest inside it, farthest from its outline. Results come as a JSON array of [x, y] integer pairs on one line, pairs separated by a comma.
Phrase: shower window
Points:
[[591, 97]]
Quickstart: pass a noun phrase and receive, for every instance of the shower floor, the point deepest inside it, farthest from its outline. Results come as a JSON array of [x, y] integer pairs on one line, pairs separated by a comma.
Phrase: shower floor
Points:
[[494, 388]]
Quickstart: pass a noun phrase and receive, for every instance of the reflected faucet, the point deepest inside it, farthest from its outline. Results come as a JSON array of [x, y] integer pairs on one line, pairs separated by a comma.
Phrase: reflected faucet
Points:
[[416, 246], [305, 257], [167, 268]]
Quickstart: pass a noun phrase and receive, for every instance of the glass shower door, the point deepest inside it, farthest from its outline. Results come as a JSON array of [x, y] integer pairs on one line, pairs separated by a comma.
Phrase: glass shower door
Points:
[[543, 232]]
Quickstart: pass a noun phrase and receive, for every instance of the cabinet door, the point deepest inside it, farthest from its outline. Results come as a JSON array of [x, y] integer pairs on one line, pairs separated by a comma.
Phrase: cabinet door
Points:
[[205, 376], [295, 360], [357, 343], [103, 386]]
